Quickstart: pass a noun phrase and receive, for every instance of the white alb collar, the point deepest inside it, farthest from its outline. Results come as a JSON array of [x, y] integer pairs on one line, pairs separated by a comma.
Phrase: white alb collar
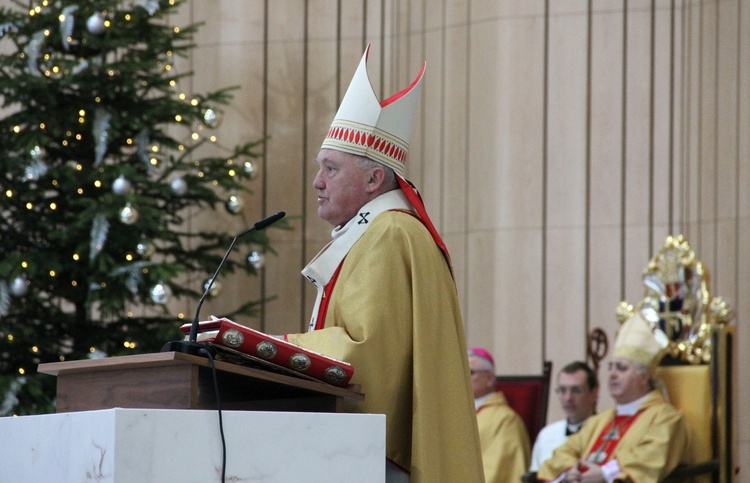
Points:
[[629, 409]]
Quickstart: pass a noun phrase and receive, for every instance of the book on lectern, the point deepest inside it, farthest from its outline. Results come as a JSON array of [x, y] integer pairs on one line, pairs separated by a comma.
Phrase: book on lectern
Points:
[[236, 343]]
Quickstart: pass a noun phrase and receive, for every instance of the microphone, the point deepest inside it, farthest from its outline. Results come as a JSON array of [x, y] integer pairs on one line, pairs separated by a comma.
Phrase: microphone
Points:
[[192, 346]]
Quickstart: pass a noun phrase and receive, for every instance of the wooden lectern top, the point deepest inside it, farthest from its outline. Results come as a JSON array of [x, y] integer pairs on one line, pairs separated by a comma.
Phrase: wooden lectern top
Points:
[[175, 380]]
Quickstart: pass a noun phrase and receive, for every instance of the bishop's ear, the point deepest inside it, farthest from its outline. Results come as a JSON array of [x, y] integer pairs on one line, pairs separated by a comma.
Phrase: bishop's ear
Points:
[[377, 176]]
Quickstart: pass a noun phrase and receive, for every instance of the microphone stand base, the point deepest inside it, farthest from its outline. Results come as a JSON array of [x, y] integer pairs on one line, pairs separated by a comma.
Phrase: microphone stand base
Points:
[[189, 347]]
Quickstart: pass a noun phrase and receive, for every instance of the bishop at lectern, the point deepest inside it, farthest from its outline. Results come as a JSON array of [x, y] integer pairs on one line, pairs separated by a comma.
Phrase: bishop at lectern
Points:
[[387, 300]]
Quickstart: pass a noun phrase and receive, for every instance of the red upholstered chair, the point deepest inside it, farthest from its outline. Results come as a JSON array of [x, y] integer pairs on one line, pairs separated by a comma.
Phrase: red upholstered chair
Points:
[[528, 396]]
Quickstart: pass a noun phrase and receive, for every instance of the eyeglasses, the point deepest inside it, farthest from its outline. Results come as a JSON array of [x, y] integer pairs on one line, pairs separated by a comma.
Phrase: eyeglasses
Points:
[[574, 390], [478, 371]]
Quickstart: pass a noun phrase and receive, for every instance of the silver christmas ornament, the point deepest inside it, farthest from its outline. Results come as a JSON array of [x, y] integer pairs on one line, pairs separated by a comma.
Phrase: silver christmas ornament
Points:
[[128, 215], [95, 24], [215, 288], [160, 293], [145, 249], [256, 259], [122, 186], [249, 168], [234, 204], [19, 286], [38, 153], [179, 186], [211, 118]]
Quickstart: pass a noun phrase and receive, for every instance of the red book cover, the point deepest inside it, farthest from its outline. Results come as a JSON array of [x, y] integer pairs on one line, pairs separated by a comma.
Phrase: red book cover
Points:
[[235, 338]]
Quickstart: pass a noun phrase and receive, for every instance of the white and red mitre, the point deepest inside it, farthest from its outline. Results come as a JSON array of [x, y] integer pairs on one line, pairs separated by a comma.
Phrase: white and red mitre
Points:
[[378, 130], [381, 131]]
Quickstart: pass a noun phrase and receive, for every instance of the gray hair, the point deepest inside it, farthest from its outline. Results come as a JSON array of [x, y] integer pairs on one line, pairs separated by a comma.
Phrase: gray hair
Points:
[[389, 181], [640, 369]]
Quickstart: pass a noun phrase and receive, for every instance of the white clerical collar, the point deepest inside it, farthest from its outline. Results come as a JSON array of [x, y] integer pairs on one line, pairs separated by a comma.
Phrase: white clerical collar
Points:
[[479, 401], [573, 428], [629, 409], [323, 266], [394, 199]]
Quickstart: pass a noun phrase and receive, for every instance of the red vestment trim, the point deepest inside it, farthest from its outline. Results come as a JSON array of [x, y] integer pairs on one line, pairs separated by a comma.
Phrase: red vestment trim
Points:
[[327, 290], [606, 446]]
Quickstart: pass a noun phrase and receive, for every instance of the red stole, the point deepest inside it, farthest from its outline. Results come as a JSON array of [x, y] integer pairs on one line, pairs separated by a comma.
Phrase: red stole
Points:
[[610, 437], [327, 290], [416, 201]]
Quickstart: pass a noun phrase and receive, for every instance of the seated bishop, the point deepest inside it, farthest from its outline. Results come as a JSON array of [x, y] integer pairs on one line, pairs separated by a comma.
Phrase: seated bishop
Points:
[[642, 439]]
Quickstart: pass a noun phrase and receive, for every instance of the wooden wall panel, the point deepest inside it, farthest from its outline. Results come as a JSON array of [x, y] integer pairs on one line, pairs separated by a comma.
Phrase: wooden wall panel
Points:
[[638, 163], [661, 143], [707, 132], [691, 120], [605, 183], [322, 103], [741, 271], [426, 166], [284, 77], [454, 91], [726, 189], [567, 188], [500, 233]]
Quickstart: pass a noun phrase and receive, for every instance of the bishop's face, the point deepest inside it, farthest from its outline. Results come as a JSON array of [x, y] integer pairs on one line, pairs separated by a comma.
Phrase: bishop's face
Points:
[[482, 376], [341, 186], [626, 381]]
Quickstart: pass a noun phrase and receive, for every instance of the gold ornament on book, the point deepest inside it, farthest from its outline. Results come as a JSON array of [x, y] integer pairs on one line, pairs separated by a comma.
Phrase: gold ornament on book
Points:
[[678, 304]]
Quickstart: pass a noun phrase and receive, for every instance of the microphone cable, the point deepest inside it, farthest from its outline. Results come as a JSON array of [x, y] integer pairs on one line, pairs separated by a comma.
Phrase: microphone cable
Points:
[[218, 408]]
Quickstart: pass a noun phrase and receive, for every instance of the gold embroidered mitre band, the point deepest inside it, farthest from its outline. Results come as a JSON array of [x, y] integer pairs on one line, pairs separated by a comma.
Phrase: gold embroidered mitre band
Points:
[[378, 130], [636, 342]]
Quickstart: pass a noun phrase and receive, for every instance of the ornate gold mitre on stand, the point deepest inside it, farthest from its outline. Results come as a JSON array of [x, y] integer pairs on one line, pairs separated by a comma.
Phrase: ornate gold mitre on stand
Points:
[[678, 304]]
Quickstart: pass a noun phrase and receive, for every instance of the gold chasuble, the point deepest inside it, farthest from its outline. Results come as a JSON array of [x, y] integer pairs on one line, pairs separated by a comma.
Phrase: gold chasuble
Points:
[[506, 451], [655, 442], [393, 314]]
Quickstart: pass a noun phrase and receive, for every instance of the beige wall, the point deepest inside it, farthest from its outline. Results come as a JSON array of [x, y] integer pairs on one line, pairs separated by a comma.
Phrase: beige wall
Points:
[[557, 145]]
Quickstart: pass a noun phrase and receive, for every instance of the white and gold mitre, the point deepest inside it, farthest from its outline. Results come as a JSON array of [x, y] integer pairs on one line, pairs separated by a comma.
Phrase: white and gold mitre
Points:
[[637, 342], [378, 130]]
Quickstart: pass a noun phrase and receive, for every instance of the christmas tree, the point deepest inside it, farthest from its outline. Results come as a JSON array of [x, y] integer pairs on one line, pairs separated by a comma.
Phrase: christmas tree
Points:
[[103, 159]]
